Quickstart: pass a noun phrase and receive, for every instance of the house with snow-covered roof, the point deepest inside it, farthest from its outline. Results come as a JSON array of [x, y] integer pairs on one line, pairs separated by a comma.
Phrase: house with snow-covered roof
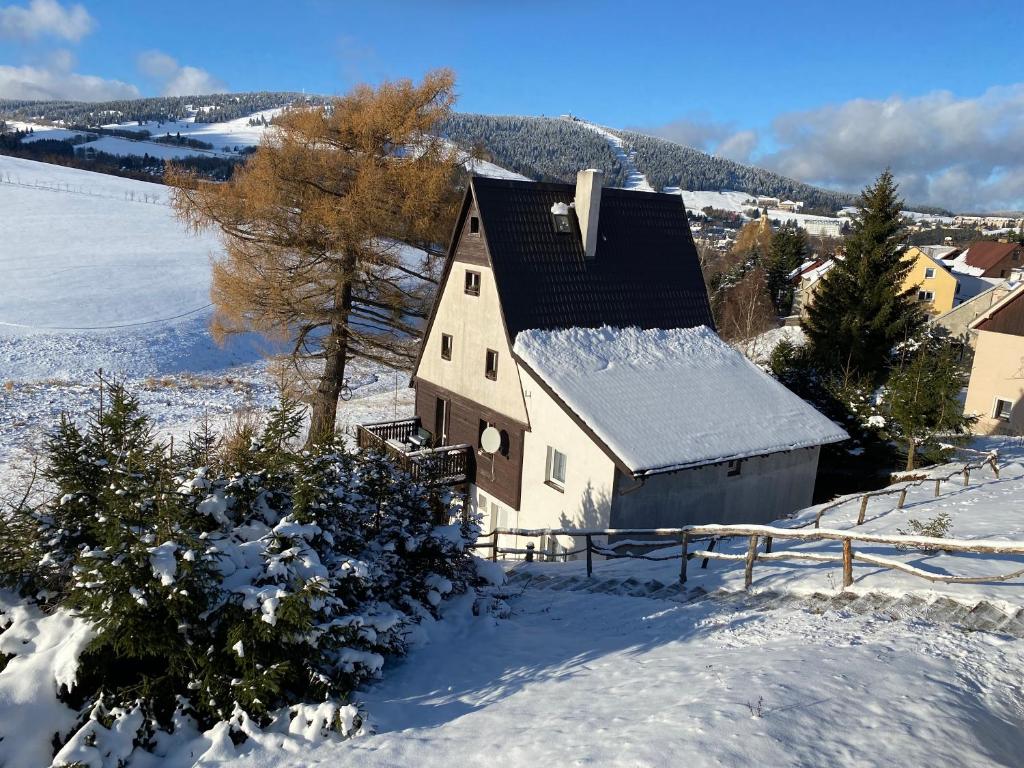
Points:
[[571, 360]]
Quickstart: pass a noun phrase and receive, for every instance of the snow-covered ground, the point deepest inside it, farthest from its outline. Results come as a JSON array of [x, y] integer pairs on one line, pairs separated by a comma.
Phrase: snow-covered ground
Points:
[[627, 669], [98, 273]]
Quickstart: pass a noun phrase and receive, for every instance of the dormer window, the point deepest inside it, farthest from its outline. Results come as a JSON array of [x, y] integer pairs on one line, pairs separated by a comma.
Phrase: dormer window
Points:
[[560, 215], [474, 225]]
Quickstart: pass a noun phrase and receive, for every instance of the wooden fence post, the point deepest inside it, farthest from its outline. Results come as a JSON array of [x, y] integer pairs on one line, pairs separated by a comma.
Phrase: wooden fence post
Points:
[[590, 557], [938, 486], [863, 509], [847, 563], [494, 550], [995, 467], [684, 558], [903, 499], [967, 475], [767, 545], [748, 570], [711, 548]]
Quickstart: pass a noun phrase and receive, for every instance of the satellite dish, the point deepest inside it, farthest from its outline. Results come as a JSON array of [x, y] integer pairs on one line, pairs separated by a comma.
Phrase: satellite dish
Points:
[[490, 440]]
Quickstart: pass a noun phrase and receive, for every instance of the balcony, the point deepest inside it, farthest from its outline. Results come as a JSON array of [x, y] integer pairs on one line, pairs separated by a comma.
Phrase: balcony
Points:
[[406, 443]]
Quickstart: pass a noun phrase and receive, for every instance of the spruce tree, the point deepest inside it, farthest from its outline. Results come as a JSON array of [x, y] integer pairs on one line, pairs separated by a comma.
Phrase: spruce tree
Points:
[[922, 399], [861, 312], [788, 250]]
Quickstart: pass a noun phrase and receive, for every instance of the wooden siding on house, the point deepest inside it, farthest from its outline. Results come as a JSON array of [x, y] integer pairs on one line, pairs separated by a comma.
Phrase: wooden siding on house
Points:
[[500, 475]]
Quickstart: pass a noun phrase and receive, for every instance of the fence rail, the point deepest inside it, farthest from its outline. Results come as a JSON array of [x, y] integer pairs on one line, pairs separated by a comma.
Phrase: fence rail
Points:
[[991, 460], [767, 534]]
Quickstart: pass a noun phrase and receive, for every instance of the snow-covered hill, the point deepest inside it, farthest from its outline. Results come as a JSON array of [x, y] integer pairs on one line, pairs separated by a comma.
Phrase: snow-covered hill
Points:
[[99, 273]]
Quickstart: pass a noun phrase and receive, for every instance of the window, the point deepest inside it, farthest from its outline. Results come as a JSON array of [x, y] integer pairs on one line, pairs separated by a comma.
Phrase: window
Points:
[[735, 467], [1002, 273], [474, 225], [925, 295], [1003, 409], [1016, 256], [556, 469], [472, 283], [506, 444], [562, 224], [446, 346], [491, 365], [929, 272], [480, 434]]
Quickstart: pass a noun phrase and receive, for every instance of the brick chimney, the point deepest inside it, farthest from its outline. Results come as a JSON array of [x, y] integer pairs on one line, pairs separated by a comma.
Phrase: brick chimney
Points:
[[588, 207]]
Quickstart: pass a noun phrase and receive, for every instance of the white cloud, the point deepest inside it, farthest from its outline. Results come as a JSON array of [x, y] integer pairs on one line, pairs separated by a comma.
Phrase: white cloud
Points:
[[175, 79], [962, 153], [57, 82], [45, 18], [738, 146]]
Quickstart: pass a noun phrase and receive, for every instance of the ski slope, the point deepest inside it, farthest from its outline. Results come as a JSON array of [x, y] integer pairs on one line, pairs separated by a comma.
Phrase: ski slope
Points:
[[634, 179]]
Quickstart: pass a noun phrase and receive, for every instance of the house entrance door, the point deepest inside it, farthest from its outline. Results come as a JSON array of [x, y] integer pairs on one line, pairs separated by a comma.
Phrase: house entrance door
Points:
[[441, 418]]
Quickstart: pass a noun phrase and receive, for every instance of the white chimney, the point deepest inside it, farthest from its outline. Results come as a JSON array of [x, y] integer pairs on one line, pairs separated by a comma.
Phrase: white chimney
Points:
[[588, 207]]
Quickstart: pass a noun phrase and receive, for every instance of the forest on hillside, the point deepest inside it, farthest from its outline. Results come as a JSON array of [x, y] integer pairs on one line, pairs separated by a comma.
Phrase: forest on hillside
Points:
[[213, 108], [542, 148]]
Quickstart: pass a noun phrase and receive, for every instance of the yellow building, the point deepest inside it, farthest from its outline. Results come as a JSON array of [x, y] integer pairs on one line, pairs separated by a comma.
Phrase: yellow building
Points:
[[996, 390], [936, 286]]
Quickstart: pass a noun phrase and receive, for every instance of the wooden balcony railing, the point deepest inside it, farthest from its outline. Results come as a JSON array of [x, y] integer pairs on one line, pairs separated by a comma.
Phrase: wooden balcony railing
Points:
[[451, 464]]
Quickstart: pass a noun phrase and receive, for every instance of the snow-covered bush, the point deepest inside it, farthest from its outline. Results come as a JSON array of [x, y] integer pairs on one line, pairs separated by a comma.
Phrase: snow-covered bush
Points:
[[267, 584]]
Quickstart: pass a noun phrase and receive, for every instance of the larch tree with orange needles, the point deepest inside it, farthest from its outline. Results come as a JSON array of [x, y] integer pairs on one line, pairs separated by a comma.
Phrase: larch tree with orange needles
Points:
[[317, 227]]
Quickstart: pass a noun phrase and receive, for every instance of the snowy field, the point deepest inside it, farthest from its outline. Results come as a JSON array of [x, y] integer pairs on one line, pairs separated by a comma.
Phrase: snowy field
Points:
[[98, 273]]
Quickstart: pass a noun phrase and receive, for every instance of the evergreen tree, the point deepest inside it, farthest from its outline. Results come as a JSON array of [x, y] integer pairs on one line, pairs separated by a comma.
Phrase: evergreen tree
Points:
[[922, 399], [861, 311], [788, 250]]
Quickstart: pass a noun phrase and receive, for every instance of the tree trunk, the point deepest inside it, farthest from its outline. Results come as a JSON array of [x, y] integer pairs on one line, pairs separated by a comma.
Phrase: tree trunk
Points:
[[911, 449], [324, 413]]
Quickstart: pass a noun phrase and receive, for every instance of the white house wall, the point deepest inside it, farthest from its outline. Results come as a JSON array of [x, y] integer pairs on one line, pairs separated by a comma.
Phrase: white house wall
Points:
[[475, 325], [767, 488], [590, 473]]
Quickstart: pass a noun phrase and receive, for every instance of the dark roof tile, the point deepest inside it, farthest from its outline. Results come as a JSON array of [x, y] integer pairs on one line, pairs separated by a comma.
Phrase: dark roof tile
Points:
[[646, 272]]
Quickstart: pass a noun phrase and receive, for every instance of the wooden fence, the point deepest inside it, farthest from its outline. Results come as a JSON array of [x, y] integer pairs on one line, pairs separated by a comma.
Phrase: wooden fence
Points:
[[766, 535], [963, 474]]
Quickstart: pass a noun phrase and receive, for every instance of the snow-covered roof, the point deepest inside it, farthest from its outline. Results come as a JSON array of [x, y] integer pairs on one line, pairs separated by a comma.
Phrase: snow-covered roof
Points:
[[662, 400], [961, 266]]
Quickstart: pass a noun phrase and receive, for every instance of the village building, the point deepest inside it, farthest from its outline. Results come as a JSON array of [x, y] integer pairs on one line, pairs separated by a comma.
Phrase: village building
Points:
[[996, 388], [570, 362], [990, 258], [935, 287]]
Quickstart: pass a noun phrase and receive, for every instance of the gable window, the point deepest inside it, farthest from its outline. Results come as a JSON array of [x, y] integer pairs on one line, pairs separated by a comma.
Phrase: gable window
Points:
[[446, 346], [474, 225], [929, 272], [734, 468], [491, 365], [1003, 409], [925, 295], [472, 283], [1016, 256], [555, 472]]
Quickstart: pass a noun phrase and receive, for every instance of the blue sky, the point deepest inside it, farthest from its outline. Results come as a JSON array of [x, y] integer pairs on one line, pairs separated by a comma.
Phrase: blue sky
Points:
[[828, 92]]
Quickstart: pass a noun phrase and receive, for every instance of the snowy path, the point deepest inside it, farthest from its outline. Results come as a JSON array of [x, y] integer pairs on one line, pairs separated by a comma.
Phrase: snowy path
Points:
[[588, 679], [634, 180]]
